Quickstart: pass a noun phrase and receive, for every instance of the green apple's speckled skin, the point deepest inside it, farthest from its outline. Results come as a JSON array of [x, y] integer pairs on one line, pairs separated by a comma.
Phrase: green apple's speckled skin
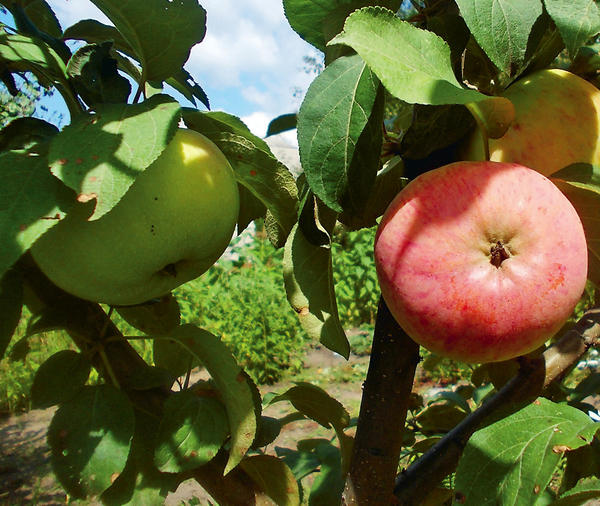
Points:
[[433, 253], [173, 223], [557, 123]]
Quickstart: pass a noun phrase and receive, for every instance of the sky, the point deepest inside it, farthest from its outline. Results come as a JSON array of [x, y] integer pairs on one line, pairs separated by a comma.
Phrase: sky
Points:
[[249, 64]]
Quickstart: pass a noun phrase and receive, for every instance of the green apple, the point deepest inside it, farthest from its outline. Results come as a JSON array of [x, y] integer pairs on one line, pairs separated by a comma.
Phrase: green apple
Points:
[[557, 123], [172, 224]]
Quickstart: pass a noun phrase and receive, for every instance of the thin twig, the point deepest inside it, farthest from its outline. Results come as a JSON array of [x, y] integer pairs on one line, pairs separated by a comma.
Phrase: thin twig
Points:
[[533, 378]]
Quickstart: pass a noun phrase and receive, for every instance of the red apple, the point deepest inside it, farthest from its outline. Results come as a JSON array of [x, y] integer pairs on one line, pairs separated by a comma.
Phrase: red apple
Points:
[[481, 261]]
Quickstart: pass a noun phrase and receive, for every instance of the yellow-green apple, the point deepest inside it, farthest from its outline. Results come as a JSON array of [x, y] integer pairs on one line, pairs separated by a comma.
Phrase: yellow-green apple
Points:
[[481, 261], [171, 225], [557, 123]]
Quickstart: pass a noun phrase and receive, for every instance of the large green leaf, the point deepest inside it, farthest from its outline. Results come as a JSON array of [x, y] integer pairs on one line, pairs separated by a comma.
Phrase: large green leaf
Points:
[[89, 437], [307, 273], [42, 15], [581, 184], [256, 168], [502, 28], [234, 386], [160, 33], [413, 64], [576, 20], [99, 155], [31, 201], [274, 478], [59, 378], [338, 139], [92, 31], [191, 432], [316, 21], [20, 53], [579, 495], [11, 303], [512, 460]]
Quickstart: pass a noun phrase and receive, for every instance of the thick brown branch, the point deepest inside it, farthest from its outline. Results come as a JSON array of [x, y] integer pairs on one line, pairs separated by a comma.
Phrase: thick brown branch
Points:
[[386, 392], [533, 378]]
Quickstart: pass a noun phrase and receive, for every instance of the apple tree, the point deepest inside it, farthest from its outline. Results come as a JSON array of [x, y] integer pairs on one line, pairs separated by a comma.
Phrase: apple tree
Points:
[[407, 88]]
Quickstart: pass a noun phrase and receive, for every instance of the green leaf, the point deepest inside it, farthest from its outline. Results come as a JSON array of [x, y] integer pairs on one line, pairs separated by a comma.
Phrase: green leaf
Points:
[[191, 432], [282, 123], [154, 317], [334, 118], [94, 74], [316, 404], [89, 437], [316, 21], [168, 354], [59, 378], [413, 64], [11, 303], [141, 483], [329, 482], [185, 84], [274, 478], [42, 15], [25, 133], [148, 27], [435, 127], [584, 491], [233, 385], [581, 184], [20, 53], [307, 273], [502, 28], [301, 463], [256, 168], [31, 201], [576, 20], [92, 31], [512, 460], [99, 155]]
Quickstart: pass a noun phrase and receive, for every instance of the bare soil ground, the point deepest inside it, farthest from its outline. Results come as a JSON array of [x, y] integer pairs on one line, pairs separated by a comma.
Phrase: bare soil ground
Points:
[[26, 473]]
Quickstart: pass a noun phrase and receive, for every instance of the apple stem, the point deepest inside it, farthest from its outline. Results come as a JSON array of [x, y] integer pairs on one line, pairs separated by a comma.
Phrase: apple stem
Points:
[[498, 254]]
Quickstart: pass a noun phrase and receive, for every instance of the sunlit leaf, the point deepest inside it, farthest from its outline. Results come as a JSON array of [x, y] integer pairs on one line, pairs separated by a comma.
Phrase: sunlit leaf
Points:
[[576, 20], [512, 460], [307, 273], [161, 33], [31, 201], [502, 28], [232, 383], [99, 155], [413, 64]]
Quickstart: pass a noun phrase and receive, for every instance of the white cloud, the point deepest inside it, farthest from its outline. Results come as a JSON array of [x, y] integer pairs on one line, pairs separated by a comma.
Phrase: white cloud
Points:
[[249, 63]]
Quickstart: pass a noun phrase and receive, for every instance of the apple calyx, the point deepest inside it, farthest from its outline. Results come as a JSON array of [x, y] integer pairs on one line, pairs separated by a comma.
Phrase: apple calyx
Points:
[[498, 254]]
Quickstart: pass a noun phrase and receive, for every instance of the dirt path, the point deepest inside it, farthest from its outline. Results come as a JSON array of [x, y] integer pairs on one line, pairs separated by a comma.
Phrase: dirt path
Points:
[[26, 474]]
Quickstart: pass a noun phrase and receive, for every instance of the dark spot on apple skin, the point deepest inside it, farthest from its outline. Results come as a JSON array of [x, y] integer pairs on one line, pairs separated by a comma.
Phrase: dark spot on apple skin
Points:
[[152, 230], [22, 228], [253, 172], [155, 198], [79, 160], [169, 270]]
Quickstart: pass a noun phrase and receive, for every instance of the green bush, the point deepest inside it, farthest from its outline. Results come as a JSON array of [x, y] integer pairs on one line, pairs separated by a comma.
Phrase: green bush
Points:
[[356, 286], [242, 299]]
